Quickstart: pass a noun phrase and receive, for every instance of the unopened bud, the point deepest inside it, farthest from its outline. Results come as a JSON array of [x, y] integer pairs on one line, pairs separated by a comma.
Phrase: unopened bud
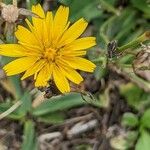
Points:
[[10, 13]]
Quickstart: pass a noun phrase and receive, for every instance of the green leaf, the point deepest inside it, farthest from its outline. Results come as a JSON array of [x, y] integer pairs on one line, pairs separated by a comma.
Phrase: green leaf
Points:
[[111, 2], [106, 5], [29, 139], [131, 137], [129, 120], [58, 103], [135, 96], [143, 142], [26, 104], [119, 27], [7, 1], [142, 5], [54, 118], [145, 120]]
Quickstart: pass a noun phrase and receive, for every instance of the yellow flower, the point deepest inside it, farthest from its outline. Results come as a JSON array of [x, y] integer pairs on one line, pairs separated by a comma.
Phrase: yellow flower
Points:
[[50, 49]]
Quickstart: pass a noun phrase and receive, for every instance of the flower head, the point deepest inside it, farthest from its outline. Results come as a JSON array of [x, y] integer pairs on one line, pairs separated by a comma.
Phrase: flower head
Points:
[[50, 49]]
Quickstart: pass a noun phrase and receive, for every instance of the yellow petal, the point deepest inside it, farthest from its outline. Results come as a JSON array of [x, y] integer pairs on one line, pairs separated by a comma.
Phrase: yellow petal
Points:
[[44, 76], [80, 44], [79, 63], [29, 39], [32, 50], [37, 9], [49, 24], [45, 35], [73, 32], [60, 22], [34, 69], [38, 22], [60, 80], [12, 50], [19, 65], [70, 73], [33, 30], [31, 27], [68, 24], [25, 36], [73, 53]]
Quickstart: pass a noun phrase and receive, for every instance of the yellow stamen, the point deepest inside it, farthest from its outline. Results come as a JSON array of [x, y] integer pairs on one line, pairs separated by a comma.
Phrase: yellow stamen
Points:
[[50, 54]]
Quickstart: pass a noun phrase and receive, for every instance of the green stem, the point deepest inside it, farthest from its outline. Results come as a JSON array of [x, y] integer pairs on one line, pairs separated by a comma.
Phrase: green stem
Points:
[[136, 42], [97, 60]]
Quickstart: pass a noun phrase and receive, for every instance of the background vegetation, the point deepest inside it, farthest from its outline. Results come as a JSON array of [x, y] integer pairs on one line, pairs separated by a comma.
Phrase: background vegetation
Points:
[[118, 117]]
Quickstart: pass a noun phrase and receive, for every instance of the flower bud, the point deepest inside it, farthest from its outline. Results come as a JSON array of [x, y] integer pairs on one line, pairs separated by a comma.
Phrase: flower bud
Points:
[[10, 13]]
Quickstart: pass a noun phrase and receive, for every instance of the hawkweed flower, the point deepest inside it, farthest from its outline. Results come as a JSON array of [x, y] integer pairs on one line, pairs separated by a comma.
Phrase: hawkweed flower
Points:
[[50, 49]]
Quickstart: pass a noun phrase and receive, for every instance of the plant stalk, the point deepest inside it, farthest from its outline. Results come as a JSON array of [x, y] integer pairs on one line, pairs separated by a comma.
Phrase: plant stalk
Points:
[[144, 37]]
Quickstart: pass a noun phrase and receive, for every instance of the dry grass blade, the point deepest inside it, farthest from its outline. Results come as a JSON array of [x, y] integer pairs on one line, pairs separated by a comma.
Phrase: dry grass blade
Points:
[[10, 110]]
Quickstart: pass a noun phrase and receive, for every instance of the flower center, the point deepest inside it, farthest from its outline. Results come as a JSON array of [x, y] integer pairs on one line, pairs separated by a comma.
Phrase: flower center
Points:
[[50, 54]]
